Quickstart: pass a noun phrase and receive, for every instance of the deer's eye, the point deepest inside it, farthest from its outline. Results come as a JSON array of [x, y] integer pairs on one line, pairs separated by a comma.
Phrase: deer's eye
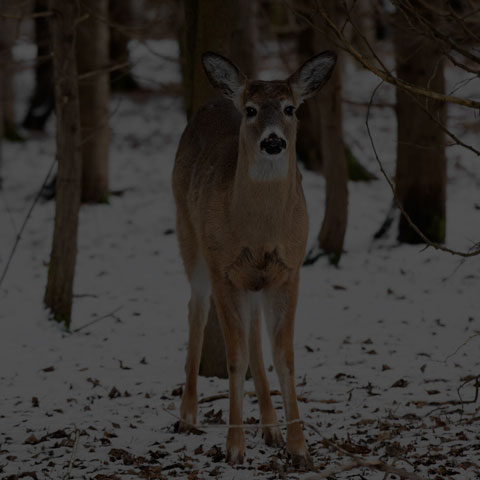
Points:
[[250, 111], [289, 110]]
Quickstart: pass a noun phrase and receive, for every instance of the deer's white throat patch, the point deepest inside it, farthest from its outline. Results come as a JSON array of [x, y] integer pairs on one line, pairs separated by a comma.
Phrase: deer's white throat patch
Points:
[[266, 168]]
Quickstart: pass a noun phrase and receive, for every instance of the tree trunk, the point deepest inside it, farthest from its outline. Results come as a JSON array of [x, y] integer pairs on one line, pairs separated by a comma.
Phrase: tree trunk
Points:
[[8, 31], [94, 91], [208, 26], [1, 134], [228, 28], [2, 81], [363, 16], [42, 101], [329, 104], [309, 148], [121, 13], [421, 163], [245, 36], [58, 294]]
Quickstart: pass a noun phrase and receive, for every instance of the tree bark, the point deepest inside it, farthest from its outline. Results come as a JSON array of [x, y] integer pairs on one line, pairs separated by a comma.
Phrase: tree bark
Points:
[[329, 104], [58, 294], [94, 92], [228, 28], [309, 148], [421, 162], [8, 32], [245, 36], [121, 13], [42, 101]]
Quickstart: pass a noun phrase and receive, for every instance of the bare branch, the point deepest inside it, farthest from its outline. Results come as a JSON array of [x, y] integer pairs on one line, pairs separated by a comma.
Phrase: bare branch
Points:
[[384, 75], [8, 16]]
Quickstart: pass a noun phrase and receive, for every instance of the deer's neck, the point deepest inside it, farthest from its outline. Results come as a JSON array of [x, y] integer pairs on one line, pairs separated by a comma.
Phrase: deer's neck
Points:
[[265, 188]]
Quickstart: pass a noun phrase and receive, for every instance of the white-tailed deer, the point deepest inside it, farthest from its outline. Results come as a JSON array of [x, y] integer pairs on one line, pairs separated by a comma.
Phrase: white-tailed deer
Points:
[[242, 227]]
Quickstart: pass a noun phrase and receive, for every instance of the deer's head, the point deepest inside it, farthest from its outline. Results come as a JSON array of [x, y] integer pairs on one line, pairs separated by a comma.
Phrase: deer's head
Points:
[[269, 123]]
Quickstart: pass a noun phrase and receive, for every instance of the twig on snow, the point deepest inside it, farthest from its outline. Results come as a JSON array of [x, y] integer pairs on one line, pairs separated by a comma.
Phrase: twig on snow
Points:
[[103, 317], [73, 455], [471, 337]]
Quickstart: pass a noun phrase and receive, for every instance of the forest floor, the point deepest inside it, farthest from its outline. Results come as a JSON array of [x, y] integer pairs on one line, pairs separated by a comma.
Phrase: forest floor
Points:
[[387, 345]]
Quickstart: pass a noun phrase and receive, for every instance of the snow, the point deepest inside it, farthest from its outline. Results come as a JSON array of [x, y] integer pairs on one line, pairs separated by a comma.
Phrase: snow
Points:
[[380, 341]]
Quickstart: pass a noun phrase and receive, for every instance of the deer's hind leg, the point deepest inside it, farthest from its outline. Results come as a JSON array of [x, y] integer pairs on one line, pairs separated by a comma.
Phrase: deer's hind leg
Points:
[[280, 316], [272, 434], [198, 305]]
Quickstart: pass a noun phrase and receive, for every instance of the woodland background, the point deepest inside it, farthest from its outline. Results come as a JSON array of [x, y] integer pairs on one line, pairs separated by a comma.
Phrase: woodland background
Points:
[[94, 97]]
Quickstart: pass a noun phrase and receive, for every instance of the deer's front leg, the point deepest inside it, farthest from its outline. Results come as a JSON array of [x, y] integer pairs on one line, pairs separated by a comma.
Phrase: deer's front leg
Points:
[[228, 302], [197, 319], [280, 315], [272, 434]]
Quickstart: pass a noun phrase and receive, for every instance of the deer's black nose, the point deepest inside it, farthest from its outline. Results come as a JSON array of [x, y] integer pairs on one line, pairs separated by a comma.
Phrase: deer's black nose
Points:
[[273, 144]]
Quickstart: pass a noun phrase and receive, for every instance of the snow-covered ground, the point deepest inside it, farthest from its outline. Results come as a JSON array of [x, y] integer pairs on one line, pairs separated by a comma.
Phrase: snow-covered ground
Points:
[[386, 345]]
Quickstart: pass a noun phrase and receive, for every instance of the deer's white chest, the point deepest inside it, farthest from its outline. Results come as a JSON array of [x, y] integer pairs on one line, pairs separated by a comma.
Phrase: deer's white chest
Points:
[[266, 167]]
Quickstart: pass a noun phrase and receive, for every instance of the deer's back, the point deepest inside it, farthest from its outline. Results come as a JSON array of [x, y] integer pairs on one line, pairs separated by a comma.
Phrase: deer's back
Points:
[[207, 152]]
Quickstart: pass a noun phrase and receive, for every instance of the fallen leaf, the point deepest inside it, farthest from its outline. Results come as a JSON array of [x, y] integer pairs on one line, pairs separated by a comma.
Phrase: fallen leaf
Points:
[[402, 383], [31, 440], [177, 392], [114, 393]]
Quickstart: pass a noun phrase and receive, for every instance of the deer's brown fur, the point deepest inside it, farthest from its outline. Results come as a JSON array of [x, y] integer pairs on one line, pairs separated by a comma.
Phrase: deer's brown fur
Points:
[[242, 235]]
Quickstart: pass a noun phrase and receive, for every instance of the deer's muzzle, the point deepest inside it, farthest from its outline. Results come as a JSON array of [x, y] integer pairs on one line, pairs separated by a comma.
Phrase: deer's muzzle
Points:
[[273, 144]]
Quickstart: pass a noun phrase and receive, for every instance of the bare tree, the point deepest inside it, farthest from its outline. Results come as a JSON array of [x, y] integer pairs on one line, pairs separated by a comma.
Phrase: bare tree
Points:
[[42, 101], [308, 141], [8, 33], [421, 163], [58, 294], [228, 28], [121, 13], [454, 28], [330, 130], [94, 91]]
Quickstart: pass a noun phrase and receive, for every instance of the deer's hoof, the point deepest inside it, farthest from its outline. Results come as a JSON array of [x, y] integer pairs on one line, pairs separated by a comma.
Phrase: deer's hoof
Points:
[[273, 437], [235, 456], [302, 461], [235, 446], [183, 427]]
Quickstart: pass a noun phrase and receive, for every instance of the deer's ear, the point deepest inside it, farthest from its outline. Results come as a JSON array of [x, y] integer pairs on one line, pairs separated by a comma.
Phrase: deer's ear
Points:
[[312, 75], [223, 75]]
